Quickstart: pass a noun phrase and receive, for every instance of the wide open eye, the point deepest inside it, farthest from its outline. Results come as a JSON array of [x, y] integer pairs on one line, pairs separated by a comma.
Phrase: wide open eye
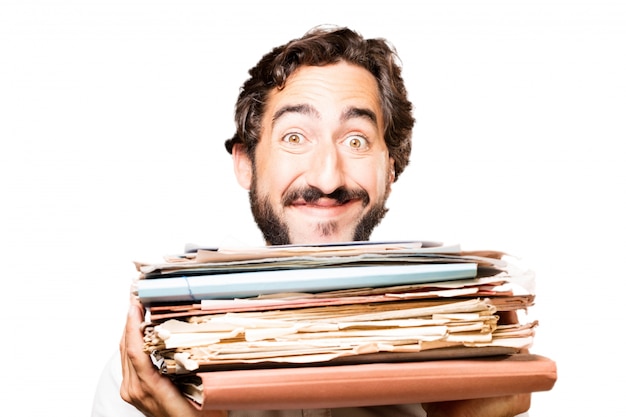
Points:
[[356, 142], [293, 138]]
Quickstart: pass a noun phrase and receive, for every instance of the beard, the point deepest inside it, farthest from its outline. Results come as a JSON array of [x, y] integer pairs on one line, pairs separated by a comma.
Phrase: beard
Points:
[[276, 231]]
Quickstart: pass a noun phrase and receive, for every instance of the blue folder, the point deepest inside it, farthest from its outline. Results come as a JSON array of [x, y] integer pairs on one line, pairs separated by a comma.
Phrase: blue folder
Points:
[[309, 280]]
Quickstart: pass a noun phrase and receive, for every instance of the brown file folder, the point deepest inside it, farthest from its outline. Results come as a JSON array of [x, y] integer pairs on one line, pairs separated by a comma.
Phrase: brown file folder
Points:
[[375, 383]]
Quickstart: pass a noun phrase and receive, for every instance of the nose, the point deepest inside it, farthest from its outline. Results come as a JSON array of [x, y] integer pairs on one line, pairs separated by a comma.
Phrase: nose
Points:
[[325, 170]]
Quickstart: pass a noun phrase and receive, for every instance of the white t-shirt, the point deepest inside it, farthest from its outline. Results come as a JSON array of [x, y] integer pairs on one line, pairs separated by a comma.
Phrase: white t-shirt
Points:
[[107, 401]]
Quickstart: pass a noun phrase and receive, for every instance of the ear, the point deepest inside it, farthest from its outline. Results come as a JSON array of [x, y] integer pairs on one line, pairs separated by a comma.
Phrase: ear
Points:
[[392, 170], [242, 165]]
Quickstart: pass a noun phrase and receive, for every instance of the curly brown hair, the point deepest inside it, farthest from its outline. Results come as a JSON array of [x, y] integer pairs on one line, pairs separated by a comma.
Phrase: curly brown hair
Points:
[[322, 46]]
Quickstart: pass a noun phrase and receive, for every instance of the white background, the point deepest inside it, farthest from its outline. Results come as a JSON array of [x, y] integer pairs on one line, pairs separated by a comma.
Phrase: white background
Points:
[[112, 121]]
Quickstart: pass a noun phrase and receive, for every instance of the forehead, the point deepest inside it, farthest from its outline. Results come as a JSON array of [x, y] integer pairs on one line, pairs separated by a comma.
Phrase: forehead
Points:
[[328, 88]]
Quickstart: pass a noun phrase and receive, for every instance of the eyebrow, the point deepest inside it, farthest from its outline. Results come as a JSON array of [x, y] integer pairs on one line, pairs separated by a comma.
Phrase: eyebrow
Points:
[[358, 112], [304, 109], [308, 110]]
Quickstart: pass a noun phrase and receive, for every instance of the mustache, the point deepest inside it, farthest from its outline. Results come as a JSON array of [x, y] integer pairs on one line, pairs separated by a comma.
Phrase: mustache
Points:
[[311, 194]]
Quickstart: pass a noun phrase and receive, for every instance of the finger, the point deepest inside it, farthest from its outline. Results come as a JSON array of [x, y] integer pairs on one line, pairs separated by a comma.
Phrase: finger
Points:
[[508, 406]]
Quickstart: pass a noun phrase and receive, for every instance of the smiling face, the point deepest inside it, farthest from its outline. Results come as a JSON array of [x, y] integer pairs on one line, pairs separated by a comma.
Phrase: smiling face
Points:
[[322, 171]]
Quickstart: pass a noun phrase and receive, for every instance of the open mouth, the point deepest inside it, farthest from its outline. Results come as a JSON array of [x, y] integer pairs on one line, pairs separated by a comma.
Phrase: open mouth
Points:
[[321, 203], [325, 207]]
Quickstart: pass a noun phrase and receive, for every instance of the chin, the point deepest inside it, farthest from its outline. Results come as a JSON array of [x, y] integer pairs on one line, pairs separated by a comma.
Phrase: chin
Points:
[[309, 238]]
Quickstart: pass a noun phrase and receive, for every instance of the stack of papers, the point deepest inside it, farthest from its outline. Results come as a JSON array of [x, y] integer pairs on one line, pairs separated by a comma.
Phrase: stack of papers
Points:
[[328, 306]]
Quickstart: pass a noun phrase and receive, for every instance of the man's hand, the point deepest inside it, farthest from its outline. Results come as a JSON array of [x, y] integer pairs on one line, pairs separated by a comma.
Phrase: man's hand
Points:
[[143, 386], [481, 407]]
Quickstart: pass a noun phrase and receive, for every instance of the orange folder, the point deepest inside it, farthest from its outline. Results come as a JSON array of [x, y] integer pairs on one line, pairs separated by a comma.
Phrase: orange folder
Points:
[[374, 384]]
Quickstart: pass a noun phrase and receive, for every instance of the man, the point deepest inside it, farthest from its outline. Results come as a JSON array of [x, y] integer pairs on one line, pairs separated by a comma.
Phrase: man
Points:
[[323, 130]]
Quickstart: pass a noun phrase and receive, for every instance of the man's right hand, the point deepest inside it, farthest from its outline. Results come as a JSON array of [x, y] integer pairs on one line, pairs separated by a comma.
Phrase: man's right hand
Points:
[[143, 386]]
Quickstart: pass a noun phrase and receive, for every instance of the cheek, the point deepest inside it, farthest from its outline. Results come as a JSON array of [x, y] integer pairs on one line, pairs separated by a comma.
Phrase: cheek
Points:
[[276, 176], [372, 177]]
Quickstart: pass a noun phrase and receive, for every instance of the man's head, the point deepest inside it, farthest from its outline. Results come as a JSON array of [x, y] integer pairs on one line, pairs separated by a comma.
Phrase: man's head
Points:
[[323, 129]]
